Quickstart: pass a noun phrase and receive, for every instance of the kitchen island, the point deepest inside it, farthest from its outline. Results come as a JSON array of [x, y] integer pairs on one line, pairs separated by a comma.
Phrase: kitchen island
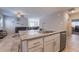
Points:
[[33, 41]]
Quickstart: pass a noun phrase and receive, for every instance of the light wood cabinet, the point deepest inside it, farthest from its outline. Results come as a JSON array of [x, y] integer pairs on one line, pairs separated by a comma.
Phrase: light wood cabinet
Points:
[[49, 47], [57, 42], [34, 45], [49, 43], [52, 43]]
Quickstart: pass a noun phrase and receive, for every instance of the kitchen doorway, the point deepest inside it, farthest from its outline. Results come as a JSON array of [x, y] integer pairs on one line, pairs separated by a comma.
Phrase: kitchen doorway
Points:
[[75, 26]]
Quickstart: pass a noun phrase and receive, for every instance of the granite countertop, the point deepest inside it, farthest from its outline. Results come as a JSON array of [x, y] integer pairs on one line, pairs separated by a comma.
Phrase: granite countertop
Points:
[[10, 43], [34, 34]]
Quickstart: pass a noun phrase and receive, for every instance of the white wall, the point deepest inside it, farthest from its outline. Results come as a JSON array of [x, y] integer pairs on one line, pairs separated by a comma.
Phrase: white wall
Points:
[[11, 23], [55, 22]]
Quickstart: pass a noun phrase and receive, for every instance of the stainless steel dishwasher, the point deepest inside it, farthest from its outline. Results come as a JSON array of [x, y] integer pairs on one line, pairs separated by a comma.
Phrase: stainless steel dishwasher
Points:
[[62, 40]]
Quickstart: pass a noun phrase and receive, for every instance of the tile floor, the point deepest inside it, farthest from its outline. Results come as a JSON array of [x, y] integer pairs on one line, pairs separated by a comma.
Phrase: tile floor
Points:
[[72, 44]]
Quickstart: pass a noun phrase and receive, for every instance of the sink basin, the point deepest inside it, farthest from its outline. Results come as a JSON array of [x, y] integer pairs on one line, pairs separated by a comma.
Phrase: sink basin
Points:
[[46, 31]]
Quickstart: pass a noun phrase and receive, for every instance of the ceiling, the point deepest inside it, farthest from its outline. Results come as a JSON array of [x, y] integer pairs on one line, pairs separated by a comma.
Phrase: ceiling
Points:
[[32, 11], [74, 10]]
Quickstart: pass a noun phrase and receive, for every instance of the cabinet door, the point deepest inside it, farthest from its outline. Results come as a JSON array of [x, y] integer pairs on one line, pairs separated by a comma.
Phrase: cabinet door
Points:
[[32, 45], [49, 47], [49, 43], [23, 46], [57, 44], [35, 43]]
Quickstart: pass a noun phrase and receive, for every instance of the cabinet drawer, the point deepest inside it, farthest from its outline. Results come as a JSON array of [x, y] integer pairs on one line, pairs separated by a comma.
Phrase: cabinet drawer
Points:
[[35, 43], [49, 38], [36, 49], [49, 47], [49, 42]]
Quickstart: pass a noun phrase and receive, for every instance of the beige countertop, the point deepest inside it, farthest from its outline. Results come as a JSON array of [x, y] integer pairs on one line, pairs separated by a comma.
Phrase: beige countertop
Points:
[[28, 35]]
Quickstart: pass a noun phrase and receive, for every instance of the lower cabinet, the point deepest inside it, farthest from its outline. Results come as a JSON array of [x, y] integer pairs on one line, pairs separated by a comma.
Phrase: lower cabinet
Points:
[[34, 45], [49, 47], [49, 43], [45, 44], [52, 43], [57, 43]]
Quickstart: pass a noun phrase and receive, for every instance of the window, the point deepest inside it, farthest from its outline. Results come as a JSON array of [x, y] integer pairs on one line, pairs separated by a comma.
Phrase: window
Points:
[[33, 22], [1, 22]]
